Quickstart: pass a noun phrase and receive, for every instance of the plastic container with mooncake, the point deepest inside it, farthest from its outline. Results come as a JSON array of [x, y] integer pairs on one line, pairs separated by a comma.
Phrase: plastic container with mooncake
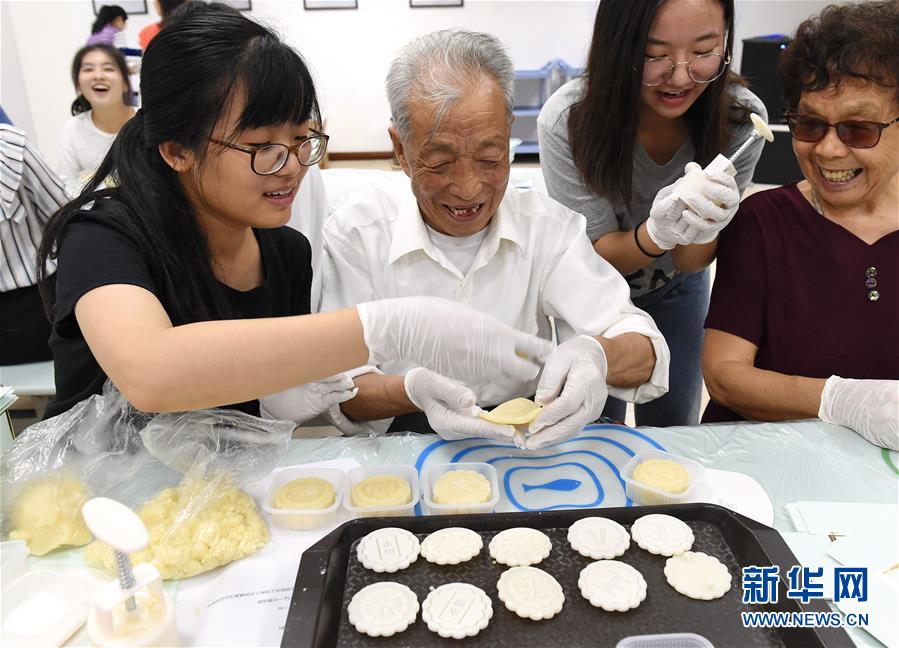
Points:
[[302, 519], [433, 472], [644, 494], [357, 475]]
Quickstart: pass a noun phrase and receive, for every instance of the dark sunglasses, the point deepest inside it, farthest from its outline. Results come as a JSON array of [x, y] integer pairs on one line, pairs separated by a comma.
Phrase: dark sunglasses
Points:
[[857, 134]]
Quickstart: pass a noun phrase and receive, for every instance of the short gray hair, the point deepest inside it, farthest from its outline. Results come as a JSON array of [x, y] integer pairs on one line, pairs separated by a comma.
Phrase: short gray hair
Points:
[[437, 67]]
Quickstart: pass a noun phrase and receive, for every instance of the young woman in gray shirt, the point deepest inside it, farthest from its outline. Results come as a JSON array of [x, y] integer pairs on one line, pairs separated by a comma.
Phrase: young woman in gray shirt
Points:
[[658, 94]]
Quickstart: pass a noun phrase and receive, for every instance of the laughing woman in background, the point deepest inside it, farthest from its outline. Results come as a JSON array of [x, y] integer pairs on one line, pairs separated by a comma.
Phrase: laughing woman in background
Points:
[[658, 94], [804, 319], [102, 107]]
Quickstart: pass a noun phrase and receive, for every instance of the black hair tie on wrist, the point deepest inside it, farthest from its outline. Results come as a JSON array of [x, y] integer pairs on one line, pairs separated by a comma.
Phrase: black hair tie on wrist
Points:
[[640, 247]]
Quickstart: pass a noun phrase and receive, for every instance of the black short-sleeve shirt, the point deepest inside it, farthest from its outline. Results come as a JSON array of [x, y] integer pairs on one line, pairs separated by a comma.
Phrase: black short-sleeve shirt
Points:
[[97, 249]]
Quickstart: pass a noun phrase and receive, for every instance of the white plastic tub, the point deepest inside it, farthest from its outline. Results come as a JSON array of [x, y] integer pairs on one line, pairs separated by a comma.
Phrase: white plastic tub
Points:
[[304, 519], [44, 607], [361, 473], [432, 473], [673, 640], [643, 494]]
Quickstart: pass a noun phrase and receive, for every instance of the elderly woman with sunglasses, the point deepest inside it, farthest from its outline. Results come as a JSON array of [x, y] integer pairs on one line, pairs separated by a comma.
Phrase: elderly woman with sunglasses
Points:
[[804, 317]]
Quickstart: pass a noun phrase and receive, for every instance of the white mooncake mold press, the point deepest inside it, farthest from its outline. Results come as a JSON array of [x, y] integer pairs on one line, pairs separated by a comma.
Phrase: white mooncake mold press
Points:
[[662, 534], [612, 585], [457, 610], [530, 593], [598, 538], [388, 550], [520, 547], [698, 575], [383, 609], [451, 546]]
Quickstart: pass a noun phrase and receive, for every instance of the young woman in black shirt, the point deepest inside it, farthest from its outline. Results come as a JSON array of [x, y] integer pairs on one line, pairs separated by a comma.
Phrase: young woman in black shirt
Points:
[[181, 285]]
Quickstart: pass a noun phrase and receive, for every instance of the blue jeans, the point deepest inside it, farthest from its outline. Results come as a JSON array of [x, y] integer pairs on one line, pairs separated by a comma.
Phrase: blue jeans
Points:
[[680, 315]]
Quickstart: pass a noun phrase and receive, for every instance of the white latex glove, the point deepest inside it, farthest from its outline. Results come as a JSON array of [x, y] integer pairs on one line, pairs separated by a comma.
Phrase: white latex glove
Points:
[[572, 390], [451, 407], [869, 407], [451, 339], [693, 210], [712, 203], [299, 404]]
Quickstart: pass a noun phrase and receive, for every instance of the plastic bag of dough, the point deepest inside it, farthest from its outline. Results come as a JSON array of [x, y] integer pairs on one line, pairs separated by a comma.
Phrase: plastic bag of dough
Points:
[[206, 520], [58, 464]]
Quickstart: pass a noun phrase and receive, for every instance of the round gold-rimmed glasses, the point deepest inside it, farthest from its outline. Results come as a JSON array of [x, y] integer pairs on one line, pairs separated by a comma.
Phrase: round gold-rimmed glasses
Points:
[[703, 68]]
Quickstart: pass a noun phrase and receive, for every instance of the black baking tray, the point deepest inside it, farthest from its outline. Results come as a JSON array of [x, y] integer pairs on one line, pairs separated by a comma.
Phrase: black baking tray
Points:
[[330, 574]]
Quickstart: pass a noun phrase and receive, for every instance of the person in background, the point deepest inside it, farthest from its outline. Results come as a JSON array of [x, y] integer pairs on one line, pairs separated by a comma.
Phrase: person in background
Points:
[[109, 27], [180, 283], [164, 8], [462, 233], [804, 317], [614, 143], [103, 106], [31, 192]]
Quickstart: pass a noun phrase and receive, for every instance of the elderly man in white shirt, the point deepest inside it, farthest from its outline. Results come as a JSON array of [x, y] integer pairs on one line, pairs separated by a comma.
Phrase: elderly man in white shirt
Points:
[[464, 234]]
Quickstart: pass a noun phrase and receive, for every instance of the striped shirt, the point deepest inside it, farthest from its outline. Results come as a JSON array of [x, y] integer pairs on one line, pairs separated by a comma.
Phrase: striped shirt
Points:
[[29, 194]]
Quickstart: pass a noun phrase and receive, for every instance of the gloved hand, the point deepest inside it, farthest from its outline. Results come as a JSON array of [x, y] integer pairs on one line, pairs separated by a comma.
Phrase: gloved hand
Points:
[[451, 407], [694, 209], [572, 390], [299, 404], [869, 407], [712, 204], [451, 339]]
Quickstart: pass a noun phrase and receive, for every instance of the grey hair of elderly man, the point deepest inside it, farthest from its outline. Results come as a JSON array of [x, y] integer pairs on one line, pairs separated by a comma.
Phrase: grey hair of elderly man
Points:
[[436, 68]]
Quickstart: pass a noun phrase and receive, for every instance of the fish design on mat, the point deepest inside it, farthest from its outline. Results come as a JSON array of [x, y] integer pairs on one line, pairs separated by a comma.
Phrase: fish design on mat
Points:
[[563, 485]]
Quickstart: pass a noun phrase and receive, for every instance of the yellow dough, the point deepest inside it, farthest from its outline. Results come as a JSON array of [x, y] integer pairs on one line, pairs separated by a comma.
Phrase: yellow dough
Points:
[[382, 490], [47, 515], [518, 411], [305, 493], [662, 474], [462, 487], [193, 528]]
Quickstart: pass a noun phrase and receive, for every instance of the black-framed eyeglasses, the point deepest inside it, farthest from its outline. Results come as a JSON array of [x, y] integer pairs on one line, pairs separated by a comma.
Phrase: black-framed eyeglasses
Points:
[[271, 158], [853, 133]]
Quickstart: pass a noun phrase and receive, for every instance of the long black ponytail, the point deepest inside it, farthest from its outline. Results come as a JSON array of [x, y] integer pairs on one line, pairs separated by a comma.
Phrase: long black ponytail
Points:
[[189, 73]]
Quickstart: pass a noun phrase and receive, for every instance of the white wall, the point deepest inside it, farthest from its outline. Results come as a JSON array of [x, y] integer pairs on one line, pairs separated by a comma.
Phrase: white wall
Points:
[[349, 51], [47, 35]]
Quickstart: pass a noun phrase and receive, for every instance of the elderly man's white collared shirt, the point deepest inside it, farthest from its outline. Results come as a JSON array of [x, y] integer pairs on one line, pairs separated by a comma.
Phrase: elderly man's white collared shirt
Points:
[[536, 262]]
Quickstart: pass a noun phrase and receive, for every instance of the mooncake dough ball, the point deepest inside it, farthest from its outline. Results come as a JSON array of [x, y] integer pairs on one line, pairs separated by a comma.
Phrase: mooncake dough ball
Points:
[[306, 493], [381, 490], [663, 474], [462, 487], [47, 514], [518, 411], [698, 575], [383, 609]]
